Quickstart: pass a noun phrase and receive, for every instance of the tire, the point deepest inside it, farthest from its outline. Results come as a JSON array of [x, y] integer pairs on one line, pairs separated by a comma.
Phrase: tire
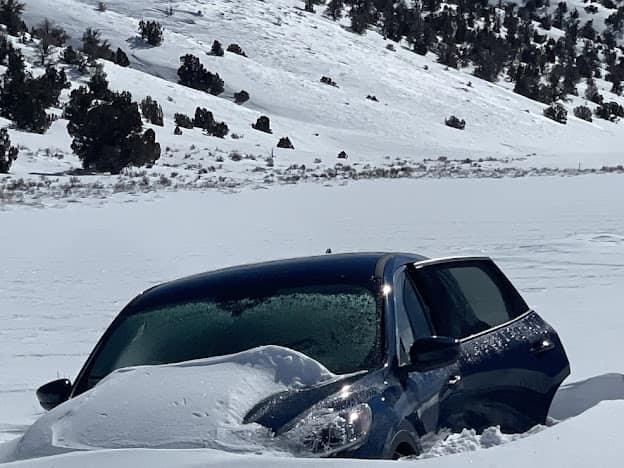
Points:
[[404, 443]]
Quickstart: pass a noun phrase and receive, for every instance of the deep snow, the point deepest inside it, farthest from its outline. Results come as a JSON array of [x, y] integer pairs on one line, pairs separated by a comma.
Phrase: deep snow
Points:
[[196, 404], [66, 272]]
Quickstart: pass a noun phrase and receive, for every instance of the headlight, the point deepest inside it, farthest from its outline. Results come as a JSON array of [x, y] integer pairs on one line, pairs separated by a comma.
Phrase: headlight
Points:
[[328, 431]]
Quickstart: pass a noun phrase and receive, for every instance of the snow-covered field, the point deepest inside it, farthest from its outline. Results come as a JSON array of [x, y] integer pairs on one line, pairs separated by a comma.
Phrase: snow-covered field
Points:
[[66, 271]]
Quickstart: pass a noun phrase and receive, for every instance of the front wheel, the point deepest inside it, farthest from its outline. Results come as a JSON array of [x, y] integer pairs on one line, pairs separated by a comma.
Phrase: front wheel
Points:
[[404, 443]]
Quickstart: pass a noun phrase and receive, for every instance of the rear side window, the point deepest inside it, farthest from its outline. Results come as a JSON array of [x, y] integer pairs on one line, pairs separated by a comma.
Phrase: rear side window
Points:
[[469, 297]]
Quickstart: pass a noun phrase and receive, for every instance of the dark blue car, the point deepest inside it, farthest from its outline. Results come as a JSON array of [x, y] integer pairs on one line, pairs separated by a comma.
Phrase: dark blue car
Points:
[[419, 345]]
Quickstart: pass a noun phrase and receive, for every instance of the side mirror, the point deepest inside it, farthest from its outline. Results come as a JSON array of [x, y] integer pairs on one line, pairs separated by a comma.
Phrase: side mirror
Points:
[[433, 353], [54, 393]]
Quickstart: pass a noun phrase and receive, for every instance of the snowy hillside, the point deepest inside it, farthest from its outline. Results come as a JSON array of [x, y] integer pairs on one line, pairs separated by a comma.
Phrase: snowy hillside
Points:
[[288, 51]]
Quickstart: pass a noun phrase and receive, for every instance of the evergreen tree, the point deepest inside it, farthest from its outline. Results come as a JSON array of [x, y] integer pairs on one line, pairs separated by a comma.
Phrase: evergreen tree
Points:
[[11, 16], [98, 85], [217, 49], [8, 153], [193, 74], [121, 58], [19, 100], [49, 36], [152, 111], [94, 47], [109, 136], [361, 15], [151, 32], [48, 87], [334, 9], [591, 92]]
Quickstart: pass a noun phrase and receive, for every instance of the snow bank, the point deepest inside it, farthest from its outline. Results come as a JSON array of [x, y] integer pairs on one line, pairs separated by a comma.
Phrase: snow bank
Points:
[[592, 439], [188, 405]]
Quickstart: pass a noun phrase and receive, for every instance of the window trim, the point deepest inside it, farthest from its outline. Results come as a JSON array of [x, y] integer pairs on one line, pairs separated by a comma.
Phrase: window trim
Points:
[[403, 273], [497, 327], [443, 260]]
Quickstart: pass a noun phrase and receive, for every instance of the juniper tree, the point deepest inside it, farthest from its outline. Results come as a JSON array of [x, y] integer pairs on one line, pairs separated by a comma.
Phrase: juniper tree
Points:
[[8, 153], [151, 32], [193, 74], [11, 16], [94, 47], [334, 9], [109, 135], [49, 36]]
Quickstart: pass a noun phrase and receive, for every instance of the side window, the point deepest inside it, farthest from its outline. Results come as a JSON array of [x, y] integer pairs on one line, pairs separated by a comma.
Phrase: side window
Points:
[[411, 318], [415, 310], [483, 303], [468, 298]]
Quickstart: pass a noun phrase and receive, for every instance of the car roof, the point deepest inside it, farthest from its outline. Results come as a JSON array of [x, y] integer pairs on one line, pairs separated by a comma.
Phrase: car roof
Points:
[[360, 268]]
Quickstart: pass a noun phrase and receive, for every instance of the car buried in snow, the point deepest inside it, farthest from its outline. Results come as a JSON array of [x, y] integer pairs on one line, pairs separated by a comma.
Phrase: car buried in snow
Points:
[[413, 346]]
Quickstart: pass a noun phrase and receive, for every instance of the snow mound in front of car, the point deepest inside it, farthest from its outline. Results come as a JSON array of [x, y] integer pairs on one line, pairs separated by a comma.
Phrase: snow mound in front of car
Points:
[[195, 404]]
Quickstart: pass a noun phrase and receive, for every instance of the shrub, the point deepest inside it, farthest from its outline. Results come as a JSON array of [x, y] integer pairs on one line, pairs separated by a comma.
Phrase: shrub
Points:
[[183, 120], [120, 58], [205, 120], [557, 112], [241, 97], [236, 49], [102, 7], [263, 124], [328, 81], [591, 92], [455, 122], [610, 111], [193, 74], [220, 130], [217, 49], [152, 111], [177, 131], [8, 153], [285, 143], [343, 155], [11, 16], [151, 32], [108, 135], [583, 112]]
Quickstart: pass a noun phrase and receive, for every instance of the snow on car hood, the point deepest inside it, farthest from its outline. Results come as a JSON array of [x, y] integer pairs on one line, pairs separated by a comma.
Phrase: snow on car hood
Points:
[[186, 405]]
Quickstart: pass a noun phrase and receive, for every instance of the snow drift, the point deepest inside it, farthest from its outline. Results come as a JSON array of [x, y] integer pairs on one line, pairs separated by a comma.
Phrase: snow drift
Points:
[[196, 404]]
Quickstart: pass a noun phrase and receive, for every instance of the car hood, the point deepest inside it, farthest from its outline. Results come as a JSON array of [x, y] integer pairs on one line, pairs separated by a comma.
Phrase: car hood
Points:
[[278, 410], [233, 403]]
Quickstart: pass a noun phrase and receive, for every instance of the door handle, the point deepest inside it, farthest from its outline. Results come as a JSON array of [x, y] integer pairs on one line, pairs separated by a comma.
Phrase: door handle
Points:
[[542, 346], [454, 381]]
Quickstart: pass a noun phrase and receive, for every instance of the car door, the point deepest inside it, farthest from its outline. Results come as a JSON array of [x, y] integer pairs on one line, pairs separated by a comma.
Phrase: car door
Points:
[[425, 393], [511, 360]]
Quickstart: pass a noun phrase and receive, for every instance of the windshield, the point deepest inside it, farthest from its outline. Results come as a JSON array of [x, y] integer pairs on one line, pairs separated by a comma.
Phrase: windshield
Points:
[[337, 325]]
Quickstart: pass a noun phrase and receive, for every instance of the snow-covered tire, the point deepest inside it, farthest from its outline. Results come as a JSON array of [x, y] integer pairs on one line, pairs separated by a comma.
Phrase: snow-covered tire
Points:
[[404, 443]]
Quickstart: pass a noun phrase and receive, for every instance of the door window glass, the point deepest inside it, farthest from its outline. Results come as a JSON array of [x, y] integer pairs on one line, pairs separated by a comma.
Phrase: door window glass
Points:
[[465, 298]]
